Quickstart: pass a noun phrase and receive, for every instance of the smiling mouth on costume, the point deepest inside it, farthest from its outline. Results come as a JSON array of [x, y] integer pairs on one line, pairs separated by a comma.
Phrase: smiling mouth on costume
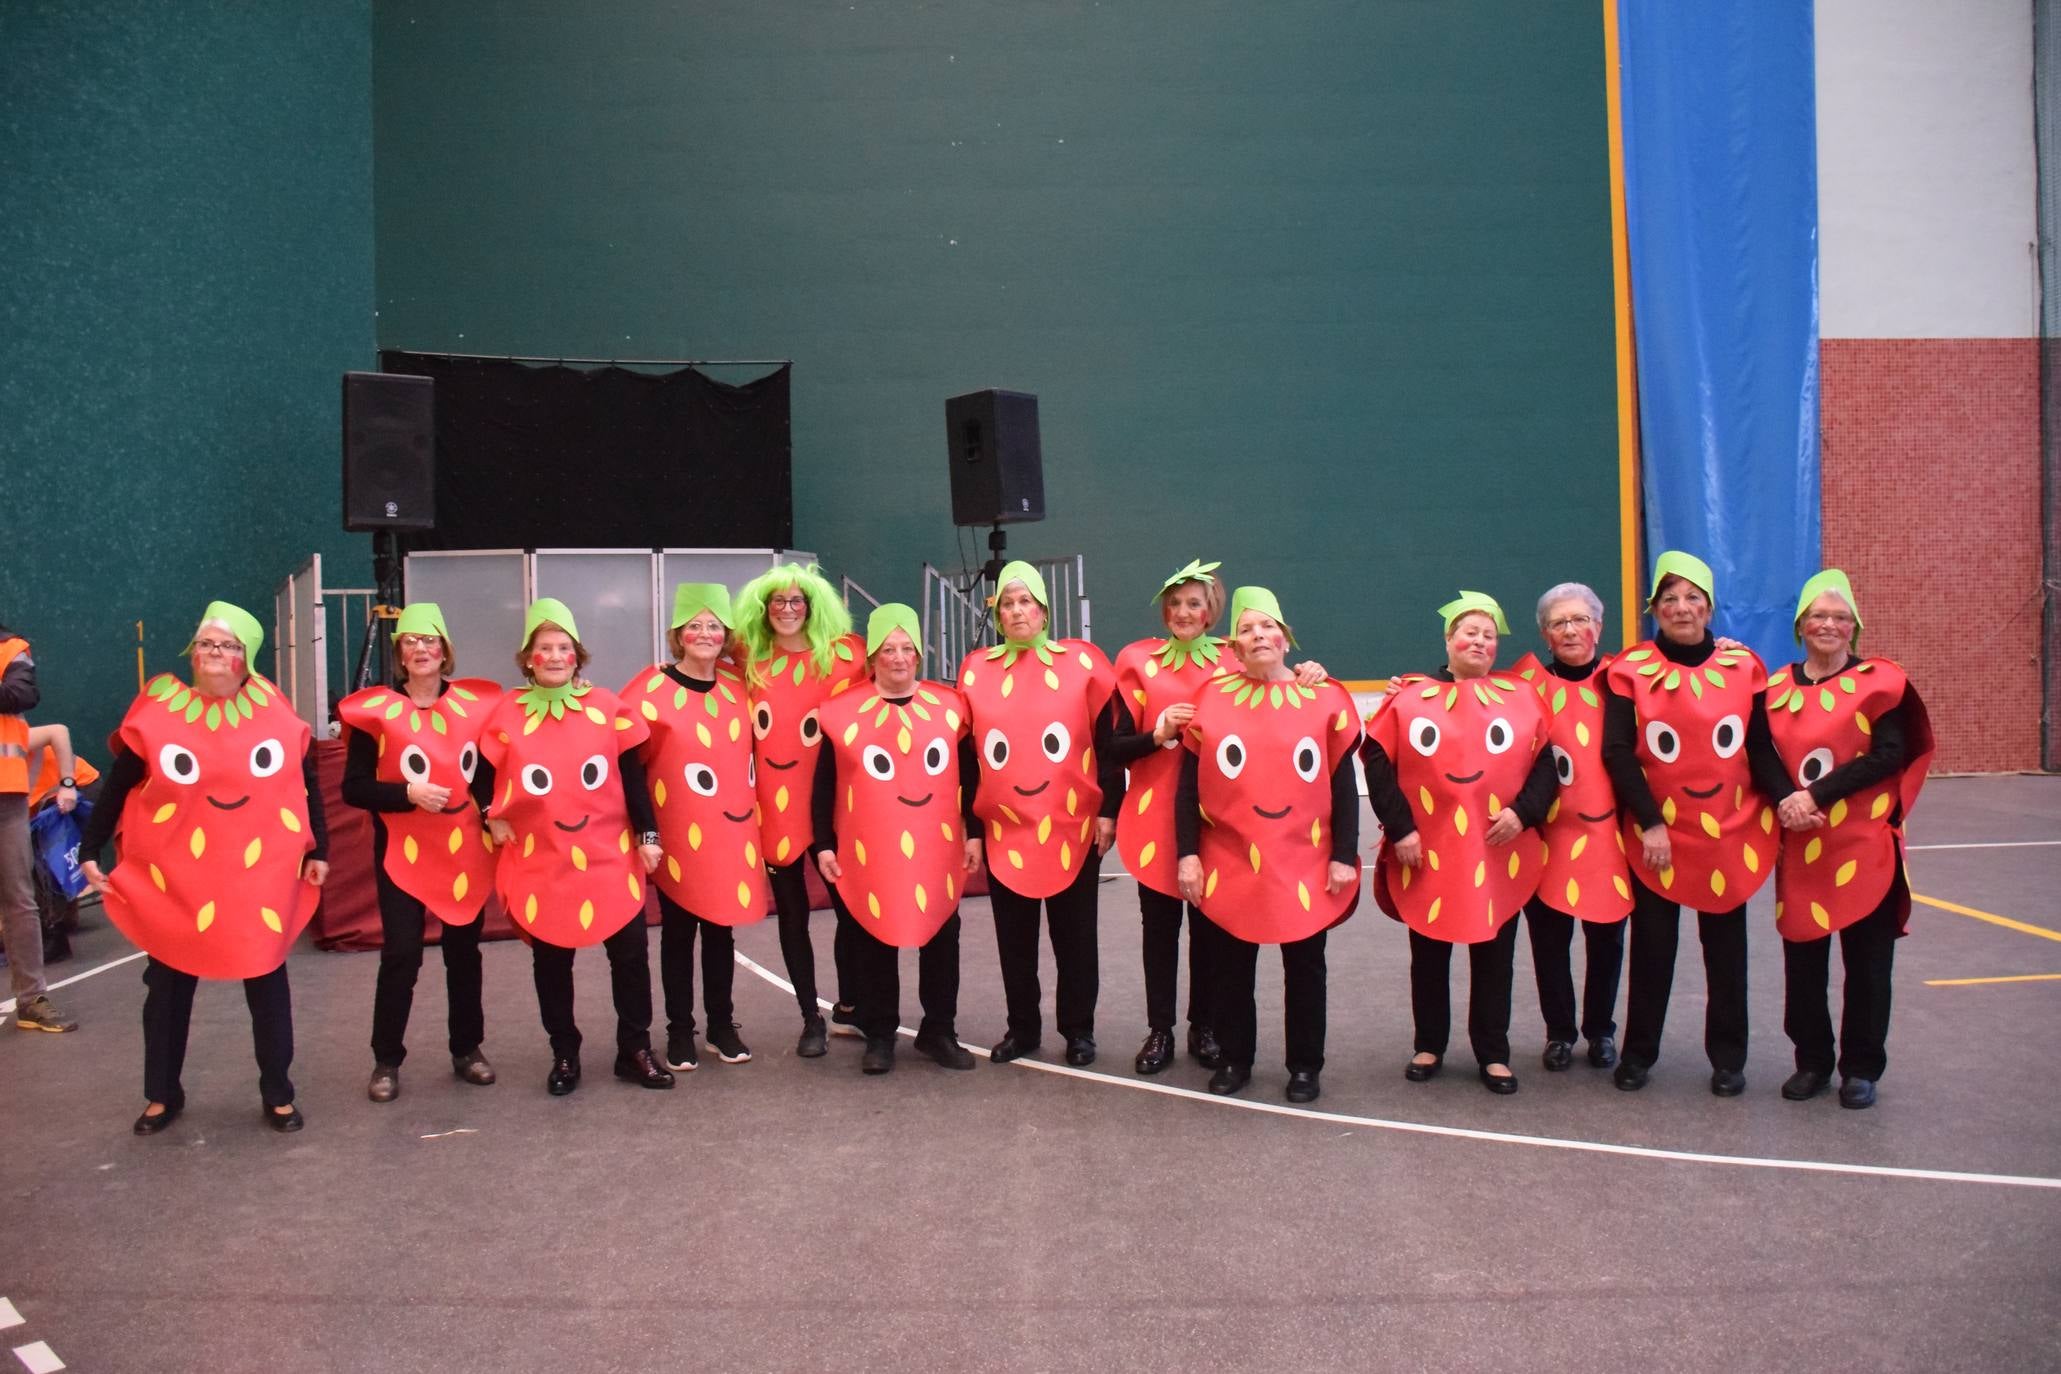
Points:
[[1595, 819], [229, 806], [734, 820], [923, 800], [1705, 795], [1270, 815], [783, 767], [573, 829], [1475, 776], [1032, 791]]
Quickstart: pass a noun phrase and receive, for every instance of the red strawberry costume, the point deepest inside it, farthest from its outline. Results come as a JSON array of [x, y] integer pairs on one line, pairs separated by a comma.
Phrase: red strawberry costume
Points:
[[1586, 873], [786, 702]]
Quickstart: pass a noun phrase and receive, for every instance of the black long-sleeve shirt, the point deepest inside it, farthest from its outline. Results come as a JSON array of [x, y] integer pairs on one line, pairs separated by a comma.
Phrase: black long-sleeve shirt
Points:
[[125, 772], [823, 802], [1392, 808], [1887, 751], [1621, 742], [1345, 810], [18, 690]]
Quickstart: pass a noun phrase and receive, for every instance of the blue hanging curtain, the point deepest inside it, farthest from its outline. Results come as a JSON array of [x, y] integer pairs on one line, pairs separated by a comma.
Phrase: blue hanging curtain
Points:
[[1721, 208]]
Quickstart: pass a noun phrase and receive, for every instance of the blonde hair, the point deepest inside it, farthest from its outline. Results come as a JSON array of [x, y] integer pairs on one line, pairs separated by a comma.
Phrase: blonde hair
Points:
[[1212, 598]]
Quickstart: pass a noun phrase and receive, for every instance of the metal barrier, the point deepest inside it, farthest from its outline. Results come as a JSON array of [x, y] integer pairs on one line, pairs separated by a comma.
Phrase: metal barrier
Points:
[[319, 635], [957, 620], [852, 588]]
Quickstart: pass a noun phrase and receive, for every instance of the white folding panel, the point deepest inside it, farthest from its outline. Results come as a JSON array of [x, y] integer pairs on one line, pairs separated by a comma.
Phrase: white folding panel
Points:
[[482, 593], [612, 595]]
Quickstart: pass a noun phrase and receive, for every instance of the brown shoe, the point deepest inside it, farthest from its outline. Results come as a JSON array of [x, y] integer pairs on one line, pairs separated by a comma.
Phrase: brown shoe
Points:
[[473, 1068], [40, 1014], [385, 1083]]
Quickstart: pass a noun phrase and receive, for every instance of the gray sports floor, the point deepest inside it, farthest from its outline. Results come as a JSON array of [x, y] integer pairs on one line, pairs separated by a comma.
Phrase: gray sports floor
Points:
[[789, 1214]]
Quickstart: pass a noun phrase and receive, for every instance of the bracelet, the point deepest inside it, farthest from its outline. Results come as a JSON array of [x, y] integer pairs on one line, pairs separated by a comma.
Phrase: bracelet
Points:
[[649, 837]]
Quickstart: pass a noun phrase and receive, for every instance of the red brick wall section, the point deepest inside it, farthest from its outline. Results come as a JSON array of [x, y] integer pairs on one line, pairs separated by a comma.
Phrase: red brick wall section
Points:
[[1931, 489]]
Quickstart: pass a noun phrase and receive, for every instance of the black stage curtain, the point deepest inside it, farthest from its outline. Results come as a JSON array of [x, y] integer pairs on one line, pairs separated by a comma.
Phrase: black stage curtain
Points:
[[554, 456]]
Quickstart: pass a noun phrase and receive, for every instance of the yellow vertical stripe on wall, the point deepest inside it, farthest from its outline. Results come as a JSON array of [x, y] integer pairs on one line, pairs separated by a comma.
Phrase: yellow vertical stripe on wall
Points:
[[1627, 367]]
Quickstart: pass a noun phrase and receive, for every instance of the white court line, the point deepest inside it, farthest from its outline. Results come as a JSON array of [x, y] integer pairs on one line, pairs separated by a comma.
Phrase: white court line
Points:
[[1493, 1137], [38, 1358], [8, 1005], [9, 1317], [1999, 844]]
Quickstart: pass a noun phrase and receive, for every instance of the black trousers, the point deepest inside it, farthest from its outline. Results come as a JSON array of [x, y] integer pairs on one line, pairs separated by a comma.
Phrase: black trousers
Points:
[[629, 976], [1070, 918], [1552, 945], [401, 920], [877, 980], [1488, 994], [1162, 944], [1868, 950], [168, 1010], [1304, 981], [1656, 923], [791, 904], [676, 931]]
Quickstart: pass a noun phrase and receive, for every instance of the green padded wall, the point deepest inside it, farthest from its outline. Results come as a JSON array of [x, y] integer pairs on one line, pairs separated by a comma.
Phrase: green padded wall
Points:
[[186, 222], [1320, 289]]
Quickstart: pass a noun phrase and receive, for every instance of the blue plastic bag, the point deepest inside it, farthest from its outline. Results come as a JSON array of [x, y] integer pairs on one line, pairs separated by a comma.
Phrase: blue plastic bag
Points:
[[56, 835]]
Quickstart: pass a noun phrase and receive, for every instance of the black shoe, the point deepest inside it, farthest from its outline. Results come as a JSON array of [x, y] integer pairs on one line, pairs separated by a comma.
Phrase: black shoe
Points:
[[151, 1125], [1857, 1093], [1302, 1085], [1423, 1073], [724, 1043], [1203, 1047], [1009, 1047], [1502, 1085], [1559, 1054], [1603, 1052], [1156, 1053], [681, 1054], [879, 1056], [286, 1122], [563, 1078], [473, 1068], [844, 1020], [1228, 1079], [1727, 1082], [385, 1083], [815, 1039], [944, 1050], [1630, 1075], [1080, 1050], [640, 1068], [1805, 1084]]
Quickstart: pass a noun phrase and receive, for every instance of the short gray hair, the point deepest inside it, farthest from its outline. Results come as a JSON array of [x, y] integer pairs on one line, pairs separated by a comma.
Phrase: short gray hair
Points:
[[1571, 591]]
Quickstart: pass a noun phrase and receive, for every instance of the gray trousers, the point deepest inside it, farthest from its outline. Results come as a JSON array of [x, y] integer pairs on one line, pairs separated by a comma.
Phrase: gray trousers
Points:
[[20, 925]]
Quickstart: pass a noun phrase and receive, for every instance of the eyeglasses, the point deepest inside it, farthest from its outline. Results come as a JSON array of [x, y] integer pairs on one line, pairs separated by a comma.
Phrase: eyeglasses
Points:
[[220, 648], [1828, 618], [410, 643], [1570, 622], [788, 603]]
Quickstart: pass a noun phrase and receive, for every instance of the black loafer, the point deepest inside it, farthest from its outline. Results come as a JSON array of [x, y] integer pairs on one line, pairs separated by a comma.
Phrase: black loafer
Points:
[[879, 1056], [1156, 1053], [1423, 1073], [1630, 1075], [147, 1124], [1727, 1082], [1303, 1086], [1804, 1084], [1502, 1085], [944, 1050], [563, 1078], [640, 1068], [1228, 1079], [1857, 1093], [1603, 1052], [1203, 1047], [1010, 1047], [1080, 1051], [1558, 1056], [286, 1122], [385, 1083]]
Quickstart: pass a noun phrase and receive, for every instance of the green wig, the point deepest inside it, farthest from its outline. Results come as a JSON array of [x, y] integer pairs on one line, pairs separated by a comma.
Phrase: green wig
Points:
[[828, 620]]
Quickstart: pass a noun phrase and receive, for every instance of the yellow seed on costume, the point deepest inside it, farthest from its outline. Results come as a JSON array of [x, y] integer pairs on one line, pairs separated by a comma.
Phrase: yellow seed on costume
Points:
[[1015, 859], [851, 798], [1667, 811], [1460, 819], [409, 849], [1710, 824], [780, 849], [1302, 894], [1767, 820], [1013, 818], [1880, 808], [1574, 894], [1407, 872], [1752, 858], [1838, 812], [736, 729], [1088, 759], [996, 826], [271, 920], [902, 740], [1424, 800], [673, 868], [1513, 864], [1431, 915], [579, 858], [1821, 916], [908, 845], [1317, 833], [1845, 873], [1495, 804], [1581, 733], [1209, 888], [1145, 854], [1073, 802], [529, 909], [1574, 850], [1065, 857], [586, 915], [650, 711], [622, 842], [1811, 850], [1252, 853], [780, 798], [596, 716], [205, 917], [859, 850], [1144, 800], [1861, 722], [945, 829], [1717, 883], [1667, 877], [457, 840], [1044, 829], [197, 841], [951, 889], [1431, 857], [251, 852], [1553, 811], [1086, 824], [164, 813], [636, 887], [1008, 685], [658, 791], [1052, 679], [1738, 796], [529, 844], [751, 855], [694, 835], [289, 820], [1624, 889], [1480, 872], [922, 898]]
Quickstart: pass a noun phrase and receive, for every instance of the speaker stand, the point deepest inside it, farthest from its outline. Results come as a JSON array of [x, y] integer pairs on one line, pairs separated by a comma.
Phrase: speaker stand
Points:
[[991, 572], [386, 575]]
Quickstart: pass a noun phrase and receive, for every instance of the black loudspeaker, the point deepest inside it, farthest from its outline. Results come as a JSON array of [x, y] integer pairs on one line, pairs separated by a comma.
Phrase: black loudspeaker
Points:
[[389, 452], [998, 472]]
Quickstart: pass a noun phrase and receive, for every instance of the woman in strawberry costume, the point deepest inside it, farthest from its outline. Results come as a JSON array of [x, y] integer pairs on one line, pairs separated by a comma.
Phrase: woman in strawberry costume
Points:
[[1586, 880], [574, 840], [798, 652], [1856, 738], [412, 759], [1685, 739], [1443, 755], [698, 760], [1267, 822], [1046, 802], [891, 838], [212, 790]]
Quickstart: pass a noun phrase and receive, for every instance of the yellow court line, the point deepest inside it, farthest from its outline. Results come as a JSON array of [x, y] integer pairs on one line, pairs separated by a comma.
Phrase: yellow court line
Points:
[[2012, 978], [2005, 921]]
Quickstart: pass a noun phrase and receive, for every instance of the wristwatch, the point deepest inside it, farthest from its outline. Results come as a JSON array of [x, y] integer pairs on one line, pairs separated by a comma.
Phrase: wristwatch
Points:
[[68, 781]]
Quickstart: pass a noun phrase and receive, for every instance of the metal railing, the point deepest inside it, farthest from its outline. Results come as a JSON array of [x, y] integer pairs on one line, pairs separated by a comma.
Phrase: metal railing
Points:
[[956, 618], [319, 635], [852, 589]]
